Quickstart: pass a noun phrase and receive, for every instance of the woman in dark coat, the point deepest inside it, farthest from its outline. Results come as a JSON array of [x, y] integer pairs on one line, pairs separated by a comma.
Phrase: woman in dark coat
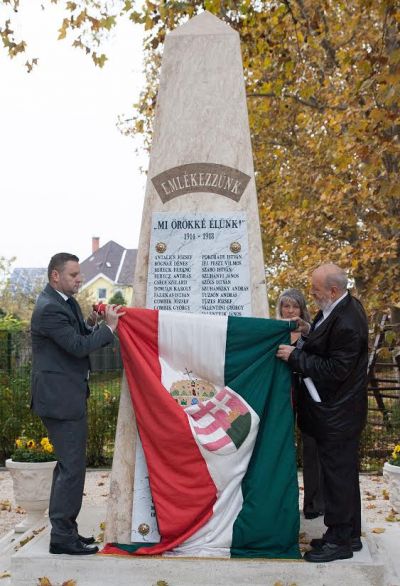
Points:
[[291, 304]]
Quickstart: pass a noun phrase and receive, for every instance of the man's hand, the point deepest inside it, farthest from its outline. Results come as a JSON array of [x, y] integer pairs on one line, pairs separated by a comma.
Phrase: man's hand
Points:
[[284, 352], [92, 319], [302, 326], [112, 315]]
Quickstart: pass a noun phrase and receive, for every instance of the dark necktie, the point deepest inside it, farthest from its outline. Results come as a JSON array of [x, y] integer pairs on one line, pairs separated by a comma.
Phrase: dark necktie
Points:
[[72, 305], [316, 319]]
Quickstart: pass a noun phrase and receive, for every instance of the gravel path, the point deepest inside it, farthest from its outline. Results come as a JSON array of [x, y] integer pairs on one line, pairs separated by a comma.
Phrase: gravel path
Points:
[[377, 509]]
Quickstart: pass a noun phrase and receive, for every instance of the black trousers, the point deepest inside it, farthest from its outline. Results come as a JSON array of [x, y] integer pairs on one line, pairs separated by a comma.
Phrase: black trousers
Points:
[[69, 441], [312, 477], [339, 465]]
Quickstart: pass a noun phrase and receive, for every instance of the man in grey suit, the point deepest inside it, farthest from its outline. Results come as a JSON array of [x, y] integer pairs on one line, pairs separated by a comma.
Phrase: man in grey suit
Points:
[[61, 344]]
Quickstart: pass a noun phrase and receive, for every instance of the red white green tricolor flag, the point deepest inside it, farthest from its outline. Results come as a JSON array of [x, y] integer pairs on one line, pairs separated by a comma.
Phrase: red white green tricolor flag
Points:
[[214, 414]]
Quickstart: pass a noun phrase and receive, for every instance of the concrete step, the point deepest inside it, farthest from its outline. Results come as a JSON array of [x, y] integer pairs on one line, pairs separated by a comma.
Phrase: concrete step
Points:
[[33, 561], [107, 570]]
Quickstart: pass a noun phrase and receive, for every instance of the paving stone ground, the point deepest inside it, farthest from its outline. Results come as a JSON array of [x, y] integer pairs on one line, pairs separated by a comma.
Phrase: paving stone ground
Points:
[[381, 525], [96, 491], [377, 509]]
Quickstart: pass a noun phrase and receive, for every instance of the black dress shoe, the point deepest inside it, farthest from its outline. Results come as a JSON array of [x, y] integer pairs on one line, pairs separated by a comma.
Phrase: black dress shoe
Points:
[[356, 543], [76, 548], [329, 552], [86, 540]]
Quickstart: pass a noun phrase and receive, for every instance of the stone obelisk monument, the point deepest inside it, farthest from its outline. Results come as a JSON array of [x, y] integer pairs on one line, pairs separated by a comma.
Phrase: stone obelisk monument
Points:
[[200, 243]]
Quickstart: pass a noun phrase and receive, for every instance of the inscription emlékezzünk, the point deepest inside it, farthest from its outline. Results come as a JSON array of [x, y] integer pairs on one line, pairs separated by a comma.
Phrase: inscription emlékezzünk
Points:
[[201, 177]]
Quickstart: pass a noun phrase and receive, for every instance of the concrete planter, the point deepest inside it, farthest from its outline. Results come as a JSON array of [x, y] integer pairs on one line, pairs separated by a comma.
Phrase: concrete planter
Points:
[[392, 476], [32, 484]]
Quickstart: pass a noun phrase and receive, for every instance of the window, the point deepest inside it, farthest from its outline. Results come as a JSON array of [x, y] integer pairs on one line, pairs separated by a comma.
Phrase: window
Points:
[[101, 293]]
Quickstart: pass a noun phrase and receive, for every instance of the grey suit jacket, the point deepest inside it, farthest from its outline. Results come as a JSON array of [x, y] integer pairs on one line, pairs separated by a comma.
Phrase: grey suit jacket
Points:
[[60, 357]]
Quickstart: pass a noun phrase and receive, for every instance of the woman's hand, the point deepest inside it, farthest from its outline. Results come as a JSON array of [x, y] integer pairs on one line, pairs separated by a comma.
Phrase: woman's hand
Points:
[[284, 351]]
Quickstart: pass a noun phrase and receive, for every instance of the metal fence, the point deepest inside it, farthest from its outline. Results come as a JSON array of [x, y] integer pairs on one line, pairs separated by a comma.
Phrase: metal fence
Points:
[[381, 433], [16, 418]]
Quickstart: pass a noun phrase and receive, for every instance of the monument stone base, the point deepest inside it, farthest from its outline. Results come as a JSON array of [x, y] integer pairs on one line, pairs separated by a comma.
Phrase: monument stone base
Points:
[[33, 561]]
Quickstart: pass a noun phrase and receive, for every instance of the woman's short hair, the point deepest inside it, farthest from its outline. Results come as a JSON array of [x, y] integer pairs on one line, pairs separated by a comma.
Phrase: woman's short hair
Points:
[[293, 295]]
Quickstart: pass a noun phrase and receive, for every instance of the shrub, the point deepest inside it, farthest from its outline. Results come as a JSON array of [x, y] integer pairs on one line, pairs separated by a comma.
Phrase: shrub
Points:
[[117, 299], [102, 417], [16, 418]]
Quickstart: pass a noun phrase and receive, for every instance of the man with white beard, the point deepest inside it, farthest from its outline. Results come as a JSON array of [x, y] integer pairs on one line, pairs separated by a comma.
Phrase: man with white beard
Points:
[[332, 359]]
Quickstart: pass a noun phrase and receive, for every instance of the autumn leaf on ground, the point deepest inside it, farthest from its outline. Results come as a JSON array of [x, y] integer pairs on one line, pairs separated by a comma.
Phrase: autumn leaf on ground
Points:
[[5, 506], [393, 515], [378, 530], [100, 484], [26, 540], [303, 538], [100, 537], [385, 494], [5, 575], [69, 583], [371, 506], [391, 518], [20, 510], [44, 581]]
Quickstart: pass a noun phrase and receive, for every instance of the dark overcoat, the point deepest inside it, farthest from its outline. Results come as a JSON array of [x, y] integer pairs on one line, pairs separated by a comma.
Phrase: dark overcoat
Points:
[[335, 356]]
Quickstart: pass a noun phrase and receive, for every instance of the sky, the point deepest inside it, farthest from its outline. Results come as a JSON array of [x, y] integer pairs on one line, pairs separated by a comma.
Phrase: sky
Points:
[[66, 172]]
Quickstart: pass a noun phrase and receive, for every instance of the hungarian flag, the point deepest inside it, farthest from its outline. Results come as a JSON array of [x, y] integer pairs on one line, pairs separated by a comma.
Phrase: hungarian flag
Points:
[[213, 410]]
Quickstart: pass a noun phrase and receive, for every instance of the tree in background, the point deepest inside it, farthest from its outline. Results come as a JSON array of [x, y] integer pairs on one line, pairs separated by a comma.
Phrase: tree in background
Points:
[[322, 80], [16, 305], [117, 299]]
